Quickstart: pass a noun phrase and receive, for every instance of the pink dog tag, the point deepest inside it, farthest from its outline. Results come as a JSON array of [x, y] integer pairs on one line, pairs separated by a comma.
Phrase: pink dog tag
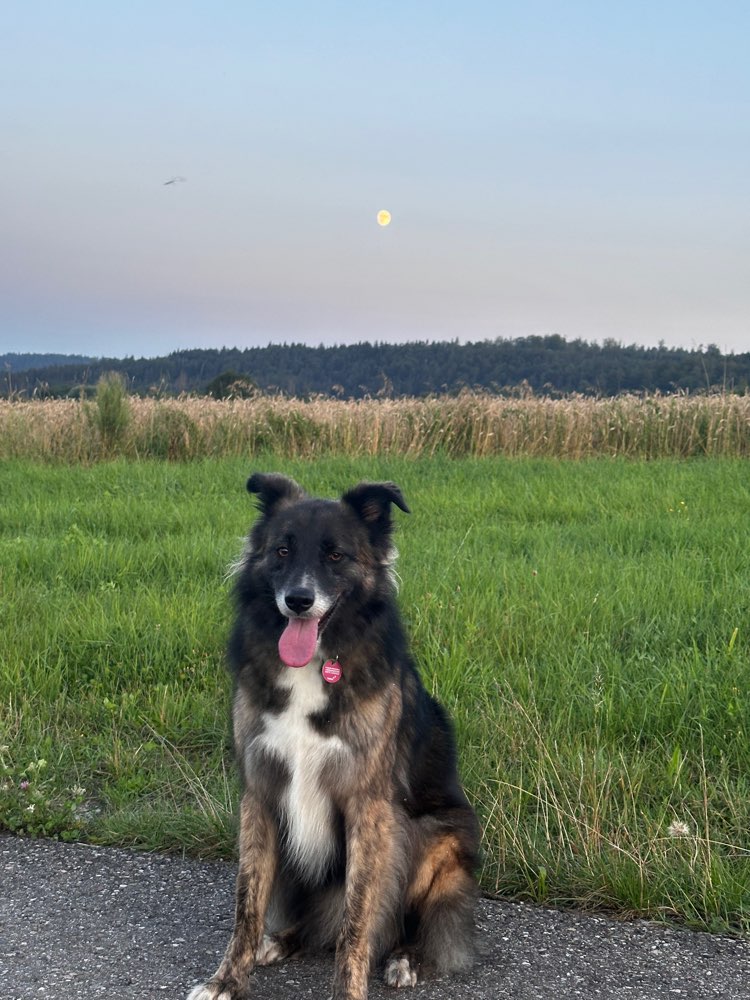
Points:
[[331, 671]]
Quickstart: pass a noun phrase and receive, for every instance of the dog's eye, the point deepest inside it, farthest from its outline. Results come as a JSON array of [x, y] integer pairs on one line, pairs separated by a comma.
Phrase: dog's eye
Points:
[[282, 552], [335, 556]]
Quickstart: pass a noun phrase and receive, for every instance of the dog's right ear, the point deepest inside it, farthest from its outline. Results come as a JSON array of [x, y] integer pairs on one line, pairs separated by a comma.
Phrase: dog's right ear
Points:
[[272, 489]]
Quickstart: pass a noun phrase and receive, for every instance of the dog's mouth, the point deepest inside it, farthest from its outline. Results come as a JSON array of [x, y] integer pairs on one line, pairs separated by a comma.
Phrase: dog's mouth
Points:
[[299, 640]]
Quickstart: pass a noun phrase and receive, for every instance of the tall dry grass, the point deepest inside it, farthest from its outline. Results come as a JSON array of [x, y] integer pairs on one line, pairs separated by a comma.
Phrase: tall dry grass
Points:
[[472, 423]]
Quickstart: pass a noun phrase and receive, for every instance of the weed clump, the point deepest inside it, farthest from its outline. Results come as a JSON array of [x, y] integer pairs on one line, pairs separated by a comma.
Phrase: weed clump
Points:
[[110, 413]]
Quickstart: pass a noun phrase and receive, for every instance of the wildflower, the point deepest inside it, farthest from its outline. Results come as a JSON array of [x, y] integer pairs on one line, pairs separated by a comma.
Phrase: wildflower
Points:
[[678, 828], [31, 808], [24, 785]]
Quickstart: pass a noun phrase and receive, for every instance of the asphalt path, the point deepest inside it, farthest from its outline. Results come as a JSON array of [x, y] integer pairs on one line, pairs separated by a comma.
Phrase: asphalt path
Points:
[[86, 922]]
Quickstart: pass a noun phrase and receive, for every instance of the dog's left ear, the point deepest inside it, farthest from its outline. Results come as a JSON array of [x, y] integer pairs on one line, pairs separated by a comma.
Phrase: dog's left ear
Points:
[[372, 504]]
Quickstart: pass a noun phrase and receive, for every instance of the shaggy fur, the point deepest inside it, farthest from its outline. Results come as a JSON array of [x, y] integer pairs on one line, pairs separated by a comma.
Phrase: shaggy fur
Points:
[[355, 832]]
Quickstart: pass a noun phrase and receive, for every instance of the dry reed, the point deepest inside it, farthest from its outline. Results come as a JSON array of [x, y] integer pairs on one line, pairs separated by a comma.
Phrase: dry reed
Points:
[[470, 424]]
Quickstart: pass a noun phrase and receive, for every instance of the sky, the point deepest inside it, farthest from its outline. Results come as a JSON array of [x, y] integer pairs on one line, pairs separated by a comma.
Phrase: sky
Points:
[[578, 168]]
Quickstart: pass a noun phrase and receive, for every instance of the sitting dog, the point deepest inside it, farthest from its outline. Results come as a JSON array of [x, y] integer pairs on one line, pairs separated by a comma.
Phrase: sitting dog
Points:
[[354, 829]]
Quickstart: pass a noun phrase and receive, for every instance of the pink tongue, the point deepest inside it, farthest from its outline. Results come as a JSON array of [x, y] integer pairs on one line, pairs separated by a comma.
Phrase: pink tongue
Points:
[[298, 641]]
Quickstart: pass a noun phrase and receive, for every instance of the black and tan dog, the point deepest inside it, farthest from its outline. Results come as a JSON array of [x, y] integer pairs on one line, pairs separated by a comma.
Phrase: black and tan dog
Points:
[[354, 829]]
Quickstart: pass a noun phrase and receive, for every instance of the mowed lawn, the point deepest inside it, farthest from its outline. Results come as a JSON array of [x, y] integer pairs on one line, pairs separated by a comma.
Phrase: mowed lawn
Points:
[[586, 623]]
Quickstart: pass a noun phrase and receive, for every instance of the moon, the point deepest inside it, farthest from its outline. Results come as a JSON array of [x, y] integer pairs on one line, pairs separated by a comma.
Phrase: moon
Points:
[[384, 217]]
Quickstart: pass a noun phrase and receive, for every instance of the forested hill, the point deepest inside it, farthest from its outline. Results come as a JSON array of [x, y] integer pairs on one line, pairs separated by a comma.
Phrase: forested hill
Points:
[[23, 362], [547, 364]]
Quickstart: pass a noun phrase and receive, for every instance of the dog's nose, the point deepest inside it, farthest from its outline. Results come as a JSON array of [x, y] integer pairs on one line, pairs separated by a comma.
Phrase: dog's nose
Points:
[[299, 600]]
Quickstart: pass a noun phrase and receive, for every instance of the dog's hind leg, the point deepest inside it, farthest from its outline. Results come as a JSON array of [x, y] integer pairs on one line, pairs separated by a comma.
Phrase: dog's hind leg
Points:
[[276, 947], [401, 969], [440, 908], [257, 868]]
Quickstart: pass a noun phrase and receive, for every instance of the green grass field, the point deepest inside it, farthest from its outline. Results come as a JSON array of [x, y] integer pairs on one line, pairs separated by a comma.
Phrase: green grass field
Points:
[[586, 623]]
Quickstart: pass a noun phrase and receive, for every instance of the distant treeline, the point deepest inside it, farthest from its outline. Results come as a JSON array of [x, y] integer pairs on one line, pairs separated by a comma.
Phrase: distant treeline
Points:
[[548, 365]]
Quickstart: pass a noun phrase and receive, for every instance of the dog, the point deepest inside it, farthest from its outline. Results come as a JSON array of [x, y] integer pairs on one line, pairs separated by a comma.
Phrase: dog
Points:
[[355, 832]]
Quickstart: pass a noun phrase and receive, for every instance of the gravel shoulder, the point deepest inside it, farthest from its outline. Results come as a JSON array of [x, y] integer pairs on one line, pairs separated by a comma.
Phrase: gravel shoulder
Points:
[[86, 922]]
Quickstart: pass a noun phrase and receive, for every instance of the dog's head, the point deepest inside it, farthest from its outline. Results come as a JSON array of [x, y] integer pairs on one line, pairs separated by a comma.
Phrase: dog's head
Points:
[[317, 554]]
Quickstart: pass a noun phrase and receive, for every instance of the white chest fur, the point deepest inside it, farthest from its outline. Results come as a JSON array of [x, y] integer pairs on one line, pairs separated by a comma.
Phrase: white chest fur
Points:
[[306, 807]]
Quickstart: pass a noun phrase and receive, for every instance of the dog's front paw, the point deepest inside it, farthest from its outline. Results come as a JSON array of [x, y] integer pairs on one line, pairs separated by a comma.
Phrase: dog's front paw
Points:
[[400, 972], [205, 991], [219, 989]]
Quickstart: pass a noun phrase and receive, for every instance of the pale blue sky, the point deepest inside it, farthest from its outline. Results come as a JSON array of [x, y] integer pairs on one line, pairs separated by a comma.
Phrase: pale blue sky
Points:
[[572, 168]]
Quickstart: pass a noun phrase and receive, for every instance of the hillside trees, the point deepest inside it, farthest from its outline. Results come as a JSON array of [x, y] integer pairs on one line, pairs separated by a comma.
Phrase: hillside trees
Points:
[[544, 364]]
